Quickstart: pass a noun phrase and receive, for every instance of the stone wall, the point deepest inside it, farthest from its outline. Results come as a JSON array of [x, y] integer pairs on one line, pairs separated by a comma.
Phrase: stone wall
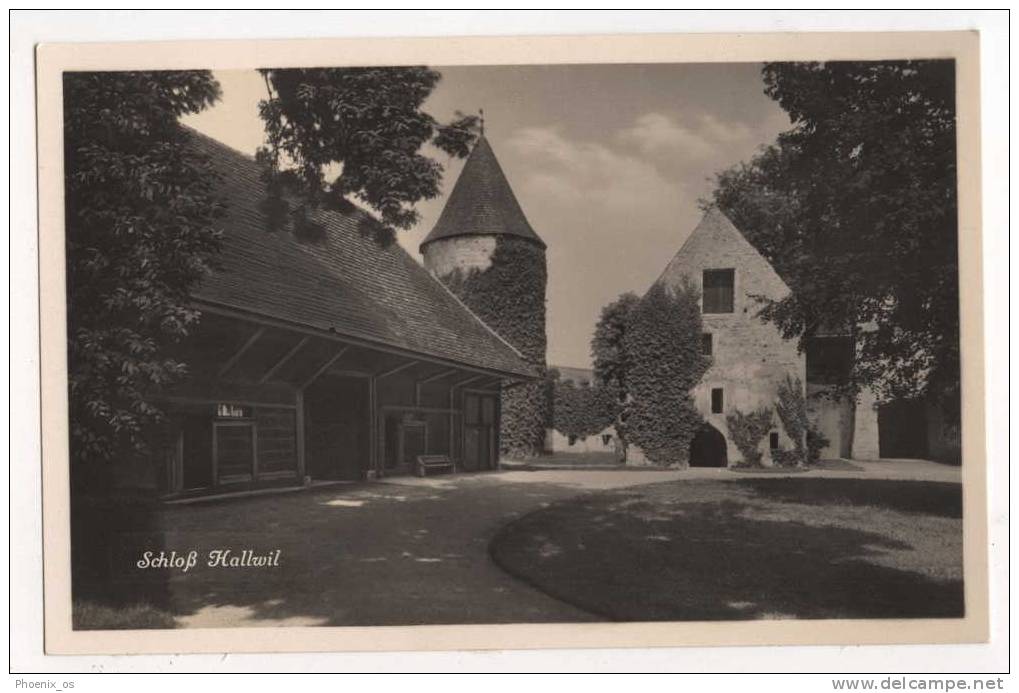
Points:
[[833, 417], [559, 444], [865, 427]]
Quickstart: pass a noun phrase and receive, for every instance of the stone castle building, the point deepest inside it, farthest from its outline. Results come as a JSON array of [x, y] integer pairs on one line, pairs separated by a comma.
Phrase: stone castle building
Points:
[[749, 357], [486, 252]]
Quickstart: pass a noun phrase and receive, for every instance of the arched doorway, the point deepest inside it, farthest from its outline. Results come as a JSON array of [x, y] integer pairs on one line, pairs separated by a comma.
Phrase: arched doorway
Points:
[[707, 449]]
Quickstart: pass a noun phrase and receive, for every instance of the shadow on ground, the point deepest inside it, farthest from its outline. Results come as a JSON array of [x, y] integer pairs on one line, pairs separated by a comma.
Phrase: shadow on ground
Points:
[[420, 552], [760, 548], [376, 554], [924, 498]]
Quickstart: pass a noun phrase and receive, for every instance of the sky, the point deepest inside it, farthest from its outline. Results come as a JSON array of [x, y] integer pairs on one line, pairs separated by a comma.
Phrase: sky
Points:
[[607, 161]]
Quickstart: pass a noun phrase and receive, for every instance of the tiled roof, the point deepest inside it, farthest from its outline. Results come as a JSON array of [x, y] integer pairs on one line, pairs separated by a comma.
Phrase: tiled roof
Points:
[[343, 281], [482, 202]]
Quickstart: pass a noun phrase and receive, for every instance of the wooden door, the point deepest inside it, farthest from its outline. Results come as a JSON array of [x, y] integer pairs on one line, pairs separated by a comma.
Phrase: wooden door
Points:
[[413, 442], [480, 431]]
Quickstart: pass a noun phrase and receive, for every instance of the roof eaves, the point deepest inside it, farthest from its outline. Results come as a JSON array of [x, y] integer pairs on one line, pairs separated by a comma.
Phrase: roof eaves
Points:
[[348, 335]]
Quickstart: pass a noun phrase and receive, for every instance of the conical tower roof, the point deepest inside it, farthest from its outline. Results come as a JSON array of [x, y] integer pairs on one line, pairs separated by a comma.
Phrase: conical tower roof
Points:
[[482, 203]]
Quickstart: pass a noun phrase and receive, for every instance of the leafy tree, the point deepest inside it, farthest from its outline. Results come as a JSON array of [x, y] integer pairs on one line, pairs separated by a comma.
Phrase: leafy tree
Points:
[[140, 224], [611, 360], [663, 343], [355, 131], [856, 208], [583, 410]]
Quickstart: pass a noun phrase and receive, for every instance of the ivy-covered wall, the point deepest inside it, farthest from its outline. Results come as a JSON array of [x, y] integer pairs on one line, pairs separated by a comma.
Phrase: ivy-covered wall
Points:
[[509, 296], [663, 340], [584, 410]]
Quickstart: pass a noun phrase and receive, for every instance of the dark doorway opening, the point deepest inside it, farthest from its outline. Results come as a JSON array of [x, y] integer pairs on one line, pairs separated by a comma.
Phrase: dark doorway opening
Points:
[[337, 423], [196, 452], [481, 426], [406, 437], [707, 449], [902, 429]]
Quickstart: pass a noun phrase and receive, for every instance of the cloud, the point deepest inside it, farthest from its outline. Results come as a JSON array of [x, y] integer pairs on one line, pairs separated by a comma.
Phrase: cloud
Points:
[[702, 141], [611, 221], [613, 210], [590, 172]]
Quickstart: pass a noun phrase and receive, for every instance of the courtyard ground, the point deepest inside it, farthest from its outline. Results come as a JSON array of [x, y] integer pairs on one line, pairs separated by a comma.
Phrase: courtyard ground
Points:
[[757, 548], [416, 551]]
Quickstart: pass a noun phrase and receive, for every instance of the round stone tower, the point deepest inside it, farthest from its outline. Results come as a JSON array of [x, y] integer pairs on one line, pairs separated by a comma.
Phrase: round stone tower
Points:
[[486, 252]]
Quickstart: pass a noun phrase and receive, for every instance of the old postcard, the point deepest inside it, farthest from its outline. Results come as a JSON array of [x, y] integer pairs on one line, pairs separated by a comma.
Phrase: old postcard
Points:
[[512, 343]]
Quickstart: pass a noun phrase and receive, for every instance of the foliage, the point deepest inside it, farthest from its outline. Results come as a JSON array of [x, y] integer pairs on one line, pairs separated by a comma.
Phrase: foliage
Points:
[[509, 296], [551, 381], [608, 346], [787, 458], [583, 411], [856, 208], [611, 360], [140, 228], [663, 343], [816, 442], [747, 431], [355, 131], [791, 408]]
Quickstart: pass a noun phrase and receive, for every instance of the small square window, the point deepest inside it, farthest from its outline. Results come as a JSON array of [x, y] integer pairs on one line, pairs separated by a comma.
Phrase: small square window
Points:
[[606, 438], [717, 400], [773, 440], [573, 440], [707, 344]]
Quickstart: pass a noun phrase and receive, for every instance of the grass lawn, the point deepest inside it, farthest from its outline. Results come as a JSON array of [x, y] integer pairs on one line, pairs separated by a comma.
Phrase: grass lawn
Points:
[[748, 549]]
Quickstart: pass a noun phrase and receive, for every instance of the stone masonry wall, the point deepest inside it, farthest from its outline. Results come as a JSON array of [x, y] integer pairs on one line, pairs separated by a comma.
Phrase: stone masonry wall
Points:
[[833, 417]]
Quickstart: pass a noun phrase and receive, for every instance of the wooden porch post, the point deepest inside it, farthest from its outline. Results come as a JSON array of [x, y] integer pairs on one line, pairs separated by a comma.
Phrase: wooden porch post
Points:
[[373, 428], [452, 425], [299, 400]]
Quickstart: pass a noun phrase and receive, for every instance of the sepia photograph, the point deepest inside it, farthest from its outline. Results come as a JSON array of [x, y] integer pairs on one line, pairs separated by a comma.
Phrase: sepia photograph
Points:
[[425, 343]]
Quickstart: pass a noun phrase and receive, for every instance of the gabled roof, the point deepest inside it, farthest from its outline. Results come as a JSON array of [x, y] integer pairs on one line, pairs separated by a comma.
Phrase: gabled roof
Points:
[[342, 282], [482, 202], [716, 243]]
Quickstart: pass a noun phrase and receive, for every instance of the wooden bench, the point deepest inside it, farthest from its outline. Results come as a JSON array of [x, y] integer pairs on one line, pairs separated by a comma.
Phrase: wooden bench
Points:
[[426, 463]]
